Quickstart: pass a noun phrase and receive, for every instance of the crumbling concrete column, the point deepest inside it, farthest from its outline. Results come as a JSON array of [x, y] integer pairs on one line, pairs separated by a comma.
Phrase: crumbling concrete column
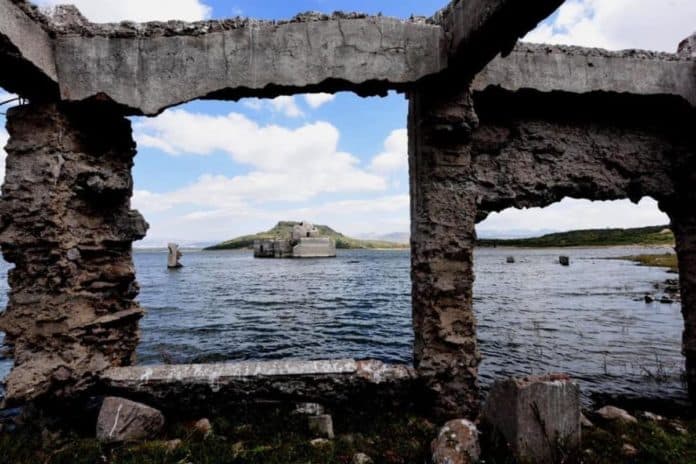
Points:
[[66, 224], [684, 228], [443, 216]]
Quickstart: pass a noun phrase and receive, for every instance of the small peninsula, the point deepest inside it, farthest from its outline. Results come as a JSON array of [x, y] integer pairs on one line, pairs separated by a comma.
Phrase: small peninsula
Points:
[[284, 228]]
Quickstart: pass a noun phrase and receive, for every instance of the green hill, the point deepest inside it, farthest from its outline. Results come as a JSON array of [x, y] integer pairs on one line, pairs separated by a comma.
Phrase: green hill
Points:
[[657, 235], [283, 229]]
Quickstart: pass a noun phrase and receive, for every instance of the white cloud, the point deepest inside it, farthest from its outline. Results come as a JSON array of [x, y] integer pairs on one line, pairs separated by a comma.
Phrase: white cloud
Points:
[[285, 105], [315, 100], [103, 11], [620, 24], [571, 214], [394, 158]]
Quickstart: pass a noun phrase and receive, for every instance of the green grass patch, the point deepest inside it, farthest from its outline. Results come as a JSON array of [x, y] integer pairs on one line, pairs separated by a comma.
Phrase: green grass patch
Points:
[[668, 260]]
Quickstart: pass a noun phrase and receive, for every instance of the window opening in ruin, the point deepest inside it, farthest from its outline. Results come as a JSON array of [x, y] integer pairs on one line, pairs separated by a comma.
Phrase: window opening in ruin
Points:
[[210, 171], [611, 323]]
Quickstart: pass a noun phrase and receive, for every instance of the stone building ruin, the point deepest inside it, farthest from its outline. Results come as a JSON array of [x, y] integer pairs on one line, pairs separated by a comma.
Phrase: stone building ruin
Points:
[[492, 124]]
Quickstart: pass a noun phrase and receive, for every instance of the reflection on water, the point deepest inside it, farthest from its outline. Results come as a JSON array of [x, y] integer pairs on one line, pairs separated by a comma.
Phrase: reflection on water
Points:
[[535, 316]]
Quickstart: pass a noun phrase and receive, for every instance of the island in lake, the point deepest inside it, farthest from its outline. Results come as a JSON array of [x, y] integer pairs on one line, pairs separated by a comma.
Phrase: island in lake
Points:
[[284, 229]]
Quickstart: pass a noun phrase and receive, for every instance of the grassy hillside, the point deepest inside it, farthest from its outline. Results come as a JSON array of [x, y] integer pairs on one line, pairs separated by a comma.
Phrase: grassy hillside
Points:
[[283, 229], [657, 235]]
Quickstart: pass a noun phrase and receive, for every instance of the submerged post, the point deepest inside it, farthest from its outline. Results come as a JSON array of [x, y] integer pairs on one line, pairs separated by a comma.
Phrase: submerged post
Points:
[[443, 216], [67, 226], [174, 256]]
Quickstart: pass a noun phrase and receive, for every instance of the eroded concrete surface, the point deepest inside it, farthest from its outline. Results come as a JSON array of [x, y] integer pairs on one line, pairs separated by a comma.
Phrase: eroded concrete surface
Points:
[[526, 129], [330, 381]]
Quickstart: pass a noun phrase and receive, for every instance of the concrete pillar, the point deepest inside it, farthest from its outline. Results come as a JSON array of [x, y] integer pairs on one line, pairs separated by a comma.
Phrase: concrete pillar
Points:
[[443, 216], [66, 224], [684, 227]]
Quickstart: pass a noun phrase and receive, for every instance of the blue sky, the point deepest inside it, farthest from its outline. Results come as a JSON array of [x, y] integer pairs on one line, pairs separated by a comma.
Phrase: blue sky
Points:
[[207, 171]]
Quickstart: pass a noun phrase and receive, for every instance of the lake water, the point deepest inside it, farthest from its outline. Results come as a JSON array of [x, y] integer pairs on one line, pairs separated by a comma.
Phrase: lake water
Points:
[[534, 316]]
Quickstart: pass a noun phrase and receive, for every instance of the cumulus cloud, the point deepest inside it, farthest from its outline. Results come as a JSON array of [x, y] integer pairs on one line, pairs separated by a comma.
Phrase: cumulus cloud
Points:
[[571, 214], [289, 169], [315, 100], [287, 165], [105, 11], [285, 105], [394, 158], [619, 24]]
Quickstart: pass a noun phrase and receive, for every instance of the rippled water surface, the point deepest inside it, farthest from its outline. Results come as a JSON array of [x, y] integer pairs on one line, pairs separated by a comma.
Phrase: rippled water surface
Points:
[[535, 316]]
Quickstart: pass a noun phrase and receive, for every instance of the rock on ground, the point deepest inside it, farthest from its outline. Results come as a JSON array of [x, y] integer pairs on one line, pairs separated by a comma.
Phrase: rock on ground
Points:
[[321, 426], [456, 443], [122, 420], [535, 412], [612, 413], [361, 458]]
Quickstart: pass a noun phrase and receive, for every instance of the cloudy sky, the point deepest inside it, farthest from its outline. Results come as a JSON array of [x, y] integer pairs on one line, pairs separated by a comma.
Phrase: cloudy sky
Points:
[[207, 171]]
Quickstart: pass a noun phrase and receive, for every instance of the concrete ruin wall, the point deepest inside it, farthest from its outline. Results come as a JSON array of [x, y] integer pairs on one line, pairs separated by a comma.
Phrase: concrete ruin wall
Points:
[[525, 130], [67, 226]]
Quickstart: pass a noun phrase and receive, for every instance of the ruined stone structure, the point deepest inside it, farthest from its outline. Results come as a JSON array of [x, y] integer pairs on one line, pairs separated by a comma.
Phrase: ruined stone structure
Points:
[[487, 132], [305, 241]]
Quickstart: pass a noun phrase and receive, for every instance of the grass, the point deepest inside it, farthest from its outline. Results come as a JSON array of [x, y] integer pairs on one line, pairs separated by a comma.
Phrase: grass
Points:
[[656, 235], [274, 436], [668, 260], [283, 229]]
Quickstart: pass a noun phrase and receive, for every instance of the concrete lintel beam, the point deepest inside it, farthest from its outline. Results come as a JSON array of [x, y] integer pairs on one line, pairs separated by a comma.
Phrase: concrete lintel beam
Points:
[[334, 381], [478, 30], [548, 68], [147, 69], [27, 62]]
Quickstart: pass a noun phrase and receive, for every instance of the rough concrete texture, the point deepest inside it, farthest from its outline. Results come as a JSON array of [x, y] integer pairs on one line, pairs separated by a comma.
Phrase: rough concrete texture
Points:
[[457, 443], [538, 416], [477, 30], [443, 216], [148, 72], [687, 48], [67, 226], [465, 165], [121, 420], [549, 68], [27, 64], [338, 381]]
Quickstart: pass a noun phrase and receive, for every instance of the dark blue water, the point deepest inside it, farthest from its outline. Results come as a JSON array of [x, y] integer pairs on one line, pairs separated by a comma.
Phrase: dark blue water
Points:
[[534, 316]]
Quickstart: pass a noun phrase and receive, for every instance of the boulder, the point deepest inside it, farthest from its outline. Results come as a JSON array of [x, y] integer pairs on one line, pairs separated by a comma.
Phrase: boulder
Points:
[[361, 458], [534, 414], [612, 413], [457, 443], [687, 48], [629, 450], [321, 426], [122, 420], [203, 427]]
